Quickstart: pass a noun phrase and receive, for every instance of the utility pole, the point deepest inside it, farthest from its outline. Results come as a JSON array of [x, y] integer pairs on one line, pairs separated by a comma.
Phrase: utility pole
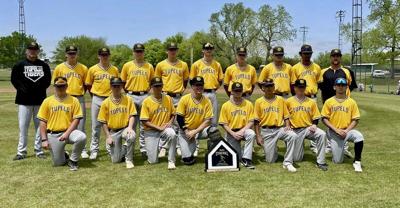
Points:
[[21, 26], [304, 31], [340, 16]]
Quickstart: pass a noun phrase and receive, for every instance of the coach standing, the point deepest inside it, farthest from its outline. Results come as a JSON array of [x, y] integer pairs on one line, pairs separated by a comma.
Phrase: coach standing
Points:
[[30, 77]]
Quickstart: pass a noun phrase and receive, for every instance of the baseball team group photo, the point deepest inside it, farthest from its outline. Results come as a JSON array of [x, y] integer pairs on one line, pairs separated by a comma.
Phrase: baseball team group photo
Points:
[[244, 104]]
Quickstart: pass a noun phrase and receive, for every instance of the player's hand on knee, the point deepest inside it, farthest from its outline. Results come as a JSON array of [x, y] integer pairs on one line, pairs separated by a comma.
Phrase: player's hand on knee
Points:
[[109, 140], [288, 128], [313, 128], [63, 137], [260, 141], [237, 136], [342, 133], [45, 145]]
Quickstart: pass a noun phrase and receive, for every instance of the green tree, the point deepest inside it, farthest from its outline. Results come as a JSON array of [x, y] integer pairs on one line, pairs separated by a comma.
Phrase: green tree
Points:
[[120, 54], [87, 47], [154, 51], [324, 59], [10, 50], [275, 27]]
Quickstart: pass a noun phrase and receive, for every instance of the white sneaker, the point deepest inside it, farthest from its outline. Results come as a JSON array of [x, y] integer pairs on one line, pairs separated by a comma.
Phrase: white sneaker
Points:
[[162, 153], [328, 150], [196, 153], [84, 155], [129, 164], [290, 168], [93, 155], [171, 166], [357, 166], [178, 151]]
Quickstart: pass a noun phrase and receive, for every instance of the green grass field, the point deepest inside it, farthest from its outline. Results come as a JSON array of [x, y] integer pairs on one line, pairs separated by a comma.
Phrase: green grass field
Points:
[[35, 183]]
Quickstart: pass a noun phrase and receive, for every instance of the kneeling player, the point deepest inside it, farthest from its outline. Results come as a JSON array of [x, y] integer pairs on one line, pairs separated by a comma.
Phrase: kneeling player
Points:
[[194, 115], [304, 116], [157, 115], [59, 117], [340, 114], [237, 118], [117, 116], [272, 123]]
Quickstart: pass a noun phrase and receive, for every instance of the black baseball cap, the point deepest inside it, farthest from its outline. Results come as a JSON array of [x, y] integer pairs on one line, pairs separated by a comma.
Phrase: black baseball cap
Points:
[[104, 51], [268, 82], [60, 81], [241, 50], [156, 81], [237, 86], [116, 81], [197, 80], [71, 49], [172, 46], [138, 47], [208, 46], [278, 50], [336, 51], [306, 49], [301, 83], [33, 46]]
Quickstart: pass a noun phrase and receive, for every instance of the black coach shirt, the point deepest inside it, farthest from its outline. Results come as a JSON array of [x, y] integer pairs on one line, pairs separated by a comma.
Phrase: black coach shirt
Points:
[[329, 77], [31, 79]]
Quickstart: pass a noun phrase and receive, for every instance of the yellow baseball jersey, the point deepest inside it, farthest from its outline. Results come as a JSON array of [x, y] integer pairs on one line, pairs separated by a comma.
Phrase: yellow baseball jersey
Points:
[[194, 112], [59, 114], [137, 78], [281, 76], [271, 112], [173, 76], [302, 113], [116, 115], [157, 112], [75, 77], [247, 77], [212, 73], [99, 79], [347, 74], [340, 114], [312, 75], [236, 116]]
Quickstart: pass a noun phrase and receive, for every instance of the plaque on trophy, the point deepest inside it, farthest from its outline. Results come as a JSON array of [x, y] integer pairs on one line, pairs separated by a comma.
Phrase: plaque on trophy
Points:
[[221, 157]]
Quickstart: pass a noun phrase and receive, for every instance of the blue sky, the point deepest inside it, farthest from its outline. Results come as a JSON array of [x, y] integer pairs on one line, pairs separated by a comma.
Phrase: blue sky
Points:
[[127, 22]]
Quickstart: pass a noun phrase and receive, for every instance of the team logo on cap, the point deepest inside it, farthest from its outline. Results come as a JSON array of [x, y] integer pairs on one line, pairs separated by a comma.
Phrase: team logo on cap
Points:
[[158, 79], [241, 49], [71, 48], [237, 85], [33, 43], [208, 45], [104, 49], [198, 79], [301, 81], [172, 44], [279, 49]]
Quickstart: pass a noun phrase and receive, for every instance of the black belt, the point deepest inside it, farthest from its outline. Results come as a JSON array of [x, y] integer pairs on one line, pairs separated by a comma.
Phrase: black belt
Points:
[[236, 130], [54, 132], [312, 96], [171, 94], [281, 93], [116, 130], [138, 93], [104, 97], [78, 95], [210, 90], [271, 127]]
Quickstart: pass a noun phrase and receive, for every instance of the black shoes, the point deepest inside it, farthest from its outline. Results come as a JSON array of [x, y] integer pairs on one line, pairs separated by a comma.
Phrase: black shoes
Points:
[[19, 157], [41, 156], [73, 166], [144, 155], [247, 163], [323, 167], [188, 160]]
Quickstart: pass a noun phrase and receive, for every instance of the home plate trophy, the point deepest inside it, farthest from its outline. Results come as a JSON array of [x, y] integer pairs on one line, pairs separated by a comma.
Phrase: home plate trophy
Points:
[[220, 155]]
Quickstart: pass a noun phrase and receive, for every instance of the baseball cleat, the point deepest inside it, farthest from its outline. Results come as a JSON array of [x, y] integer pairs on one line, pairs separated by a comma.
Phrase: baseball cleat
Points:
[[129, 164], [162, 152], [171, 166], [73, 166], [178, 151], [247, 163], [84, 155], [188, 160], [41, 156], [144, 155], [348, 154], [323, 167], [93, 155], [357, 166], [19, 157], [290, 168], [196, 152], [314, 150]]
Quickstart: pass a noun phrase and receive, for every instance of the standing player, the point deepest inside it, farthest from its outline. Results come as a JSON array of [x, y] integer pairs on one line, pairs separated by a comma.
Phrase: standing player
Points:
[[117, 114], [75, 73], [307, 70], [211, 71], [30, 77], [279, 72], [237, 118], [157, 115], [194, 115], [59, 116], [304, 116], [341, 115], [175, 75], [98, 83], [272, 123], [241, 72], [137, 75]]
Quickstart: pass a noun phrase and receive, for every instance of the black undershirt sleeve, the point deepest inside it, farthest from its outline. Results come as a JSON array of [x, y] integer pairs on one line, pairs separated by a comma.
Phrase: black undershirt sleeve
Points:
[[181, 121]]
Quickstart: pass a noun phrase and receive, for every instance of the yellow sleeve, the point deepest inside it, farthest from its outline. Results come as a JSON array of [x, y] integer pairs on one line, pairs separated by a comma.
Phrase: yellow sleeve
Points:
[[223, 119], [185, 71], [315, 111], [151, 72], [193, 71], [257, 113], [56, 73], [85, 71], [115, 72], [319, 74], [227, 77], [253, 76], [76, 109], [326, 112], [43, 113], [124, 72], [132, 108], [220, 73], [293, 76], [286, 113], [171, 103], [103, 113], [89, 77], [252, 117], [209, 112], [157, 72], [263, 74], [181, 109], [144, 112], [355, 112]]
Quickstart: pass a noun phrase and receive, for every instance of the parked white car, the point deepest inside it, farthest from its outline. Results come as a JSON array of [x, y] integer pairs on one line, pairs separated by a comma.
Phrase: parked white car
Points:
[[378, 74]]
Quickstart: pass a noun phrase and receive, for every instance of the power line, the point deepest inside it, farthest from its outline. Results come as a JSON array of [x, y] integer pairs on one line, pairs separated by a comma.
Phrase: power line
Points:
[[304, 31]]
